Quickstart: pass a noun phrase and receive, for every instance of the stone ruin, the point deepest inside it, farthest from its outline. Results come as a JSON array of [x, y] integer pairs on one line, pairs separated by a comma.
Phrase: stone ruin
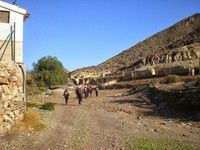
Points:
[[12, 99], [181, 54]]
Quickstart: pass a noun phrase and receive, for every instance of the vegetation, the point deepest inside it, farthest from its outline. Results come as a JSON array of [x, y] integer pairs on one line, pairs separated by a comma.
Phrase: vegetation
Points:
[[49, 71], [47, 106], [43, 106], [172, 79], [33, 87], [31, 122], [156, 144]]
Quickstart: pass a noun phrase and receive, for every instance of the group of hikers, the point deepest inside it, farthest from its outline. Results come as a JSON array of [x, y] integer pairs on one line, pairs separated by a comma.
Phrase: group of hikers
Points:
[[80, 93]]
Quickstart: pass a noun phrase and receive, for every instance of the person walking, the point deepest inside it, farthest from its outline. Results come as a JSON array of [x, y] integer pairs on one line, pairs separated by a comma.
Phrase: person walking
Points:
[[97, 91], [86, 92], [79, 95], [66, 96], [90, 90]]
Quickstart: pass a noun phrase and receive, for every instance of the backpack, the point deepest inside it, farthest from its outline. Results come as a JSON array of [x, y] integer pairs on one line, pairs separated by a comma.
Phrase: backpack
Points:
[[78, 91], [66, 92]]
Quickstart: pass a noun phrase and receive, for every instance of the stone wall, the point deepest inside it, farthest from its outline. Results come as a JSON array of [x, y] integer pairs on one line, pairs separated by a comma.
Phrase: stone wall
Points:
[[12, 102], [186, 96]]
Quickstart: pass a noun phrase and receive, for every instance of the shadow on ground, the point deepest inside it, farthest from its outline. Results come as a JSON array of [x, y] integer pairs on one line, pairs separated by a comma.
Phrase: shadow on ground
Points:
[[139, 98]]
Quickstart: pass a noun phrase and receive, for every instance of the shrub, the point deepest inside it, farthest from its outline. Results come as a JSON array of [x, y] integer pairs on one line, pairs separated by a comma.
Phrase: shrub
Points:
[[31, 122], [32, 86], [47, 106], [172, 79]]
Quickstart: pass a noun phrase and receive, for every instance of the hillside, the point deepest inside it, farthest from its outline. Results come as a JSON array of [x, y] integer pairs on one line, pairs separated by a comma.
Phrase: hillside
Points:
[[180, 42], [180, 34]]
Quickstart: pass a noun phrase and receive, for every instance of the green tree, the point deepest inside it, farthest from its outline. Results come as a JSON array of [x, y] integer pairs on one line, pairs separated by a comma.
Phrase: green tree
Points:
[[49, 71]]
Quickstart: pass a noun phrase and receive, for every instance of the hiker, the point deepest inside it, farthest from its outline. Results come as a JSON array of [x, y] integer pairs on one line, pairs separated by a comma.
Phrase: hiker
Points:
[[97, 90], [66, 95], [90, 90], [79, 94], [86, 92]]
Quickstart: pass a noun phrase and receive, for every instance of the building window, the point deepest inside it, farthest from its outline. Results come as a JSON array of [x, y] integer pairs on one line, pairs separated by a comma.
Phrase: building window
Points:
[[4, 16]]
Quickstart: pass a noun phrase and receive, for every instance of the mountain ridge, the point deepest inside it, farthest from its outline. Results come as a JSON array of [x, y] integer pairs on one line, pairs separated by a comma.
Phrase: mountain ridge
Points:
[[180, 34]]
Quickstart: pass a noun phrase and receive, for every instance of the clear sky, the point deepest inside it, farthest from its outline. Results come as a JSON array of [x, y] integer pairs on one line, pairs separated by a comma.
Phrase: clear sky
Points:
[[82, 33]]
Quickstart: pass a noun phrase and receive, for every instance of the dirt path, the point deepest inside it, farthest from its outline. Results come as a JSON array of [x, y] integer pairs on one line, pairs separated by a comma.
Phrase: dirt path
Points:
[[101, 123]]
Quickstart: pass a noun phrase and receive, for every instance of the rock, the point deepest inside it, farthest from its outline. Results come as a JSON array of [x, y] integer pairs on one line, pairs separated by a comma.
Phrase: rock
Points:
[[11, 114], [17, 99], [6, 104], [13, 79], [7, 118], [8, 127], [139, 117], [183, 124], [4, 74], [4, 81], [163, 123], [156, 130], [1, 129], [16, 112], [5, 89], [184, 135]]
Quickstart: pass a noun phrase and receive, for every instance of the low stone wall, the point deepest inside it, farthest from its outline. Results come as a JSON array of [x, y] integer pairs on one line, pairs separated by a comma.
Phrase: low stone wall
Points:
[[187, 96], [11, 95], [144, 74]]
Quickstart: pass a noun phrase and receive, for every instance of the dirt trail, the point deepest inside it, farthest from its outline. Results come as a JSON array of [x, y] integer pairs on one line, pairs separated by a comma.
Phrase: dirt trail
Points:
[[101, 123]]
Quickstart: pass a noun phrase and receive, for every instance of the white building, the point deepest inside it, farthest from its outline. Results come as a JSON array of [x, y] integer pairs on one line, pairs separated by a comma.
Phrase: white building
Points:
[[11, 32]]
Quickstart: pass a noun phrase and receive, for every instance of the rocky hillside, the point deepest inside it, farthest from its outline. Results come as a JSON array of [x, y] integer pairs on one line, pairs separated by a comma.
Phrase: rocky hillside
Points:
[[180, 34], [180, 42]]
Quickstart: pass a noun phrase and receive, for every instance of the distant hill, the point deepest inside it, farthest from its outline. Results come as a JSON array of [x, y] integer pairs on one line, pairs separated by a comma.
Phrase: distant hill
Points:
[[182, 35]]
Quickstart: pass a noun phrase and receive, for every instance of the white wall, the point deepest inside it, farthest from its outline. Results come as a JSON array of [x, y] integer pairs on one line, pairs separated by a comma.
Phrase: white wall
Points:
[[5, 31], [5, 27]]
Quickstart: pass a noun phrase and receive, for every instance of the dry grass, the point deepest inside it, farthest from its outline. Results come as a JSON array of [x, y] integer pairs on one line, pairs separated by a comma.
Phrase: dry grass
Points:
[[31, 122], [157, 144], [43, 106], [172, 79]]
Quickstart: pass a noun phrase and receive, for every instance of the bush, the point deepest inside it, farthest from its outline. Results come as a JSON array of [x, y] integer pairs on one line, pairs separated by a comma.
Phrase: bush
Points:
[[172, 79], [47, 106], [32, 86], [31, 122]]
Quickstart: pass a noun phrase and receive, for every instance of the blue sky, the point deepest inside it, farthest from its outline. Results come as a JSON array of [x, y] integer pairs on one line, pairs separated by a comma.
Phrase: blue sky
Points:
[[82, 33]]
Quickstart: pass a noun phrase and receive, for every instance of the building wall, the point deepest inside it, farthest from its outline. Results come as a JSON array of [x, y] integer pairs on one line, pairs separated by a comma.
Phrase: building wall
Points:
[[5, 31], [12, 104], [8, 56]]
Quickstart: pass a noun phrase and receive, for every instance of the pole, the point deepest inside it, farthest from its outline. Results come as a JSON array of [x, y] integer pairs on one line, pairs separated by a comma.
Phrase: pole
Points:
[[14, 47], [11, 37], [199, 67]]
